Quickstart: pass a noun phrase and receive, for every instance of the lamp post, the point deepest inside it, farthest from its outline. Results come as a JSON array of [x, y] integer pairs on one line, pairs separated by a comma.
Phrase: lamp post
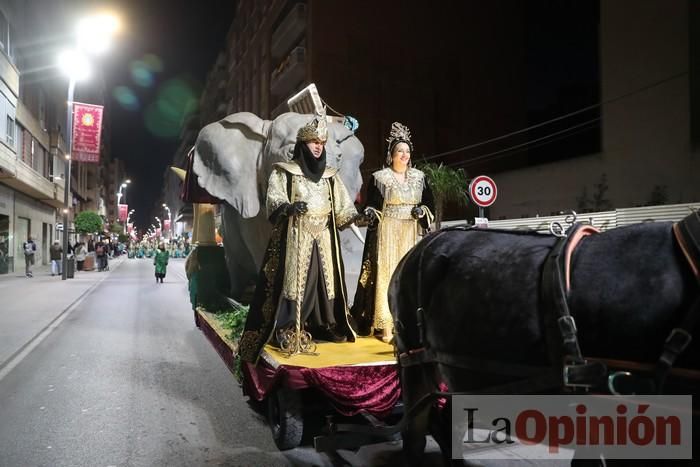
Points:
[[128, 216], [170, 221], [93, 34], [77, 67], [122, 186]]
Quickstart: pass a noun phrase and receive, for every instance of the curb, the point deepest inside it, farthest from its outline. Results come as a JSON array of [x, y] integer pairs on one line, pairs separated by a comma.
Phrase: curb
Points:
[[8, 365]]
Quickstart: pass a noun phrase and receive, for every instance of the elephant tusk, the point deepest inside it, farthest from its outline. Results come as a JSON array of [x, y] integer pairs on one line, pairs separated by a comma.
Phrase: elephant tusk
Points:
[[357, 232]]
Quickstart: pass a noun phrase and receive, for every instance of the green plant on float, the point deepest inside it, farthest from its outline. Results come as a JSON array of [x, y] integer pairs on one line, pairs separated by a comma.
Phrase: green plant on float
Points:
[[600, 199], [233, 320], [448, 185]]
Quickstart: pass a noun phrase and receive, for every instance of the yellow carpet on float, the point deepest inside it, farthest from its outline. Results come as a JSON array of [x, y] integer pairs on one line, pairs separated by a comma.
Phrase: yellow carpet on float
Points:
[[364, 351]]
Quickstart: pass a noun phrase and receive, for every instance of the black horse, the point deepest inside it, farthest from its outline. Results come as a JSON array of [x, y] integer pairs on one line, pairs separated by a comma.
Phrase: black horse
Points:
[[481, 300]]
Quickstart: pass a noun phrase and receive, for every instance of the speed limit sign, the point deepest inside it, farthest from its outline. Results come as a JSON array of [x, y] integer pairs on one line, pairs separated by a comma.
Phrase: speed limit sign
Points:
[[483, 191]]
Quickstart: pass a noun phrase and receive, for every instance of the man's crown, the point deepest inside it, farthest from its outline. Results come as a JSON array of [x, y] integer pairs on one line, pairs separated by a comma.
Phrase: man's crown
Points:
[[316, 129]]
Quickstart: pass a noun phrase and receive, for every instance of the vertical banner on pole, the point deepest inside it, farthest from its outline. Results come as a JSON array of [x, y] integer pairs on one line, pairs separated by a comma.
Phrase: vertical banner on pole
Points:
[[130, 227], [123, 212], [158, 232], [87, 128], [166, 225]]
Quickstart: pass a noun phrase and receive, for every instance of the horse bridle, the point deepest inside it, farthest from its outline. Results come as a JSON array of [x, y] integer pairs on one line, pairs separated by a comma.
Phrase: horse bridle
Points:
[[574, 372]]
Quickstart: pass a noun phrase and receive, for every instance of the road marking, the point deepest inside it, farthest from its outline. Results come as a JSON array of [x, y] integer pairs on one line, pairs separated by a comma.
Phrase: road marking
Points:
[[15, 359]]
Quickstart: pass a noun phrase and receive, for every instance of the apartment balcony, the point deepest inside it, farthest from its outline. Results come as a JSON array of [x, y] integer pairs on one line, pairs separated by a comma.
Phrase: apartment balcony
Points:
[[32, 124], [56, 141], [8, 162], [9, 74], [75, 188], [60, 186], [30, 182], [289, 31], [287, 76]]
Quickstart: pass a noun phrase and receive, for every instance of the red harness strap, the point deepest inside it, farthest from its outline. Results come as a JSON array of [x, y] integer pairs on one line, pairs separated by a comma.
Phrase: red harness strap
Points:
[[687, 247], [574, 240]]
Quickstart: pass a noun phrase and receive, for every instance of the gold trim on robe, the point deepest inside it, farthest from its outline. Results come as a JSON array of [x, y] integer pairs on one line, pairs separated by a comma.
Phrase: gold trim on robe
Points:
[[398, 232], [312, 226]]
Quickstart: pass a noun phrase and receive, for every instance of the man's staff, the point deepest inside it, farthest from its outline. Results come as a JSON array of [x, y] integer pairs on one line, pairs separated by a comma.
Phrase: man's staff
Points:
[[297, 340]]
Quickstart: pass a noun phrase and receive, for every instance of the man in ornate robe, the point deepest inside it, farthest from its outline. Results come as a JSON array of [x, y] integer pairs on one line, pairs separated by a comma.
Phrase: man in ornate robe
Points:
[[302, 269]]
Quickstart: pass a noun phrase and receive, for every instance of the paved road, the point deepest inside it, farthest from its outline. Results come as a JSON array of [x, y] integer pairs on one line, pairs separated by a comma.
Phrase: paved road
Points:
[[126, 379], [108, 369]]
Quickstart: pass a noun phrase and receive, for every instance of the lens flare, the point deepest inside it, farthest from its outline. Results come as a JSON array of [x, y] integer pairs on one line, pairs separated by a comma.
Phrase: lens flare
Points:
[[126, 98], [153, 62], [176, 100], [141, 74]]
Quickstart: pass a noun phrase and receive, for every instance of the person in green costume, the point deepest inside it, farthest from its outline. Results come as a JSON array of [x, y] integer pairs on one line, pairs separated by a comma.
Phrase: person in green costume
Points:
[[160, 261]]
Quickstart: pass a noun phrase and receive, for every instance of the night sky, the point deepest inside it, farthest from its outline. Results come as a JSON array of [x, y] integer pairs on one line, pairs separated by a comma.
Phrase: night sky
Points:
[[154, 76], [156, 70]]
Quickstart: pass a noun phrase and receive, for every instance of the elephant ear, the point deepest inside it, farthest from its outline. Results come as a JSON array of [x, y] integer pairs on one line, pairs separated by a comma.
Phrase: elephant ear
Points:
[[226, 158]]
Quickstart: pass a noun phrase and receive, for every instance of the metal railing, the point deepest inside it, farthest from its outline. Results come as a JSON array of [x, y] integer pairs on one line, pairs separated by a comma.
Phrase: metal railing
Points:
[[604, 220]]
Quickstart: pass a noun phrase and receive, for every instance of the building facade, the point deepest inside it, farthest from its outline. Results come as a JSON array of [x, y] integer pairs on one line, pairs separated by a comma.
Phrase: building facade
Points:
[[31, 186], [571, 105], [114, 175], [33, 116], [650, 139]]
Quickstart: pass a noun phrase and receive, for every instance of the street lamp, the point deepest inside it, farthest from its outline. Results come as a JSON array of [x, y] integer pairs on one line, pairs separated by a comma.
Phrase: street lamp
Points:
[[170, 221], [122, 186], [128, 216], [75, 65]]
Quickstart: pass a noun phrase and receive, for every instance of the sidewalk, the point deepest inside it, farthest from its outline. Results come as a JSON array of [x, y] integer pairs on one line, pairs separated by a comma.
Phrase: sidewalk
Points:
[[29, 305]]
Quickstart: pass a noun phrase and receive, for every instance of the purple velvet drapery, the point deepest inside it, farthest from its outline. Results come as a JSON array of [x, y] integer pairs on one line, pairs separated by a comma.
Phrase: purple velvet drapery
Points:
[[351, 389]]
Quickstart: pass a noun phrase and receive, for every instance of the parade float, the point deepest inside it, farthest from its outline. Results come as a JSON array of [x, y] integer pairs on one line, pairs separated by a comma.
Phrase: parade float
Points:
[[307, 393]]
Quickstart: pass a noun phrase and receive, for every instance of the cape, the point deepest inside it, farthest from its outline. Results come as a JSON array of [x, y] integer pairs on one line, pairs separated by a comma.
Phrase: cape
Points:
[[264, 308]]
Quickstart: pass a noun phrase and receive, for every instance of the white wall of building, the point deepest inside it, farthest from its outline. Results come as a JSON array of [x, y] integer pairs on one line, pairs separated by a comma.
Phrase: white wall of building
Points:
[[41, 220], [7, 209], [645, 132]]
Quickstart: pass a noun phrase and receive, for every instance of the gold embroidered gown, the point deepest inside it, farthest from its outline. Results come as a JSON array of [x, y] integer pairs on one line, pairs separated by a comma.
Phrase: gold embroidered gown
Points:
[[387, 241], [302, 249]]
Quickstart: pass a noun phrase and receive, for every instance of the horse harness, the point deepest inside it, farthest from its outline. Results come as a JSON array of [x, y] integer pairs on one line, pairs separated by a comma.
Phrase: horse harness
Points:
[[571, 371]]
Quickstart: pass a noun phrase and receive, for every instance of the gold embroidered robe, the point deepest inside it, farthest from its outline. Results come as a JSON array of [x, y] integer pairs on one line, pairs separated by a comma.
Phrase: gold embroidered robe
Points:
[[280, 272], [322, 198], [387, 241]]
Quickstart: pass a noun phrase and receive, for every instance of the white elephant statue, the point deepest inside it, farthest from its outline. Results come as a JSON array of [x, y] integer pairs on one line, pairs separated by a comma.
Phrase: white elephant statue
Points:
[[233, 159]]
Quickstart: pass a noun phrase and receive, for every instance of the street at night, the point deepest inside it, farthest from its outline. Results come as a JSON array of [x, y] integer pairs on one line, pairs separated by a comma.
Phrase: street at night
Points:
[[125, 378], [377, 233]]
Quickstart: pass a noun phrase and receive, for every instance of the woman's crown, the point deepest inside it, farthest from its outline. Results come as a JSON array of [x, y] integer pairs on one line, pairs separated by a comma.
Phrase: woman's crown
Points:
[[399, 132]]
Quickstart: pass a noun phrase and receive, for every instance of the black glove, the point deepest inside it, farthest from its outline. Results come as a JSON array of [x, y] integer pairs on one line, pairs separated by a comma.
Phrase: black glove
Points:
[[416, 212], [297, 208], [371, 215]]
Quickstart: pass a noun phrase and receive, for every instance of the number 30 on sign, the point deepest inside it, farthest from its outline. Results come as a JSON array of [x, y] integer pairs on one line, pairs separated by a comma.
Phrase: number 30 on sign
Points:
[[483, 191]]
